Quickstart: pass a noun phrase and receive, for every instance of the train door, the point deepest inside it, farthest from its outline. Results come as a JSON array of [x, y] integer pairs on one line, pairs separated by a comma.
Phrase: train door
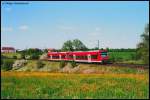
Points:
[[89, 58], [50, 56], [74, 57], [60, 57]]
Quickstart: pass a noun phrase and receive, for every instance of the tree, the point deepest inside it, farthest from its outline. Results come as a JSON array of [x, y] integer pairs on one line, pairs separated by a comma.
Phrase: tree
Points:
[[78, 45], [143, 46], [34, 56], [74, 45], [45, 50], [67, 46]]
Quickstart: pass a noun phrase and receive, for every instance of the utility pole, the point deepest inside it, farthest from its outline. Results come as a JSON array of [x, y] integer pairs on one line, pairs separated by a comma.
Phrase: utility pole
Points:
[[98, 45]]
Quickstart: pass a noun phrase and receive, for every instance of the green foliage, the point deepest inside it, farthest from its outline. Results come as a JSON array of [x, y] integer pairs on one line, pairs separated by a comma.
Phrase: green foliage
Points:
[[143, 46], [39, 64], [78, 45], [22, 55], [7, 64], [1, 61], [121, 50], [34, 56], [45, 50], [2, 58], [62, 64], [74, 45], [33, 53], [73, 63], [15, 57], [67, 46]]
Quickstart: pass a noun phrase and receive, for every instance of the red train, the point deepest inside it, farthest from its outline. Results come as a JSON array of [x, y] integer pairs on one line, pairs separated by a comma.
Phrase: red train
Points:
[[98, 56]]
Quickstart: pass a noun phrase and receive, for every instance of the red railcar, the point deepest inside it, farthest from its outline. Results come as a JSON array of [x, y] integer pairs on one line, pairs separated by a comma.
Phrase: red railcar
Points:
[[98, 56]]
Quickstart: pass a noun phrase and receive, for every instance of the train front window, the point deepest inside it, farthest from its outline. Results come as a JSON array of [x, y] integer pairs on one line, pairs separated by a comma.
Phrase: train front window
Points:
[[103, 54]]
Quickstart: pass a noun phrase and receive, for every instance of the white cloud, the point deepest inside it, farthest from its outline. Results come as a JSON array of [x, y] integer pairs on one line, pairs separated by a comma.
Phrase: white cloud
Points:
[[7, 29], [23, 28]]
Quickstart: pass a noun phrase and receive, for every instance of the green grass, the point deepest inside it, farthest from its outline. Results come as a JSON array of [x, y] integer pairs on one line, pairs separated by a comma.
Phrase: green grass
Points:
[[69, 86], [122, 55]]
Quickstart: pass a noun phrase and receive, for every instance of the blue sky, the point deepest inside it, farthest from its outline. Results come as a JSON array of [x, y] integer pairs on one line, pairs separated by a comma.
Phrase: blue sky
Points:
[[49, 24]]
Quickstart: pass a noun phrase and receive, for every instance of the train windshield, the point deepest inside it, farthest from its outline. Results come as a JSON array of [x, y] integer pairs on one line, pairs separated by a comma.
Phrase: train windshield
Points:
[[103, 54]]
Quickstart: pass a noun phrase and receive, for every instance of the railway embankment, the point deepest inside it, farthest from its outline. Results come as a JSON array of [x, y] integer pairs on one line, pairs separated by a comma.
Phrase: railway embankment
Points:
[[68, 67]]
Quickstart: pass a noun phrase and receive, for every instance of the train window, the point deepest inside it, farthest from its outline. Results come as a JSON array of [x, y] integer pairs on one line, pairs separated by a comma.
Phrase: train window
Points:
[[78, 57], [103, 54], [93, 56], [55, 57], [63, 57], [84, 57], [71, 56]]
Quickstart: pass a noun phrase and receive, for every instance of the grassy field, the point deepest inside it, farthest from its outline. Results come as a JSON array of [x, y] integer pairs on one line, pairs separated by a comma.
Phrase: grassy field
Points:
[[122, 55], [11, 55], [61, 85]]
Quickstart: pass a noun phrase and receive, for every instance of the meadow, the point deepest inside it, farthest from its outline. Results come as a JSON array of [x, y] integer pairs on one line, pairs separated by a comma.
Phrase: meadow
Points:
[[103, 82], [46, 85]]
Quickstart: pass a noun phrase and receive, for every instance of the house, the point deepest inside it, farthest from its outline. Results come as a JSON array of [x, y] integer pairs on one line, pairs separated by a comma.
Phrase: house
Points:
[[8, 49], [50, 49]]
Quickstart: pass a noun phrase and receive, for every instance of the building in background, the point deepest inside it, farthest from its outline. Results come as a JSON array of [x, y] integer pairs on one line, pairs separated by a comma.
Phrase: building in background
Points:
[[50, 49], [8, 49]]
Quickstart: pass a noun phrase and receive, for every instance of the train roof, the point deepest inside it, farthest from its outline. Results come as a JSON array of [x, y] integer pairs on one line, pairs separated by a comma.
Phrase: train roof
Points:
[[79, 51]]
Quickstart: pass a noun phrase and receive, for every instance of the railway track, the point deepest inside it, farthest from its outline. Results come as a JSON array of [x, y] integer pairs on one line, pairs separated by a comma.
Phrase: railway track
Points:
[[129, 65], [142, 66]]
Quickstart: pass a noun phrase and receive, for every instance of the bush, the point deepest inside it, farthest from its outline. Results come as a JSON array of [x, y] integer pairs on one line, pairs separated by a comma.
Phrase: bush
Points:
[[7, 64], [1, 62], [62, 64], [39, 64], [34, 56], [73, 63], [22, 56], [15, 57]]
